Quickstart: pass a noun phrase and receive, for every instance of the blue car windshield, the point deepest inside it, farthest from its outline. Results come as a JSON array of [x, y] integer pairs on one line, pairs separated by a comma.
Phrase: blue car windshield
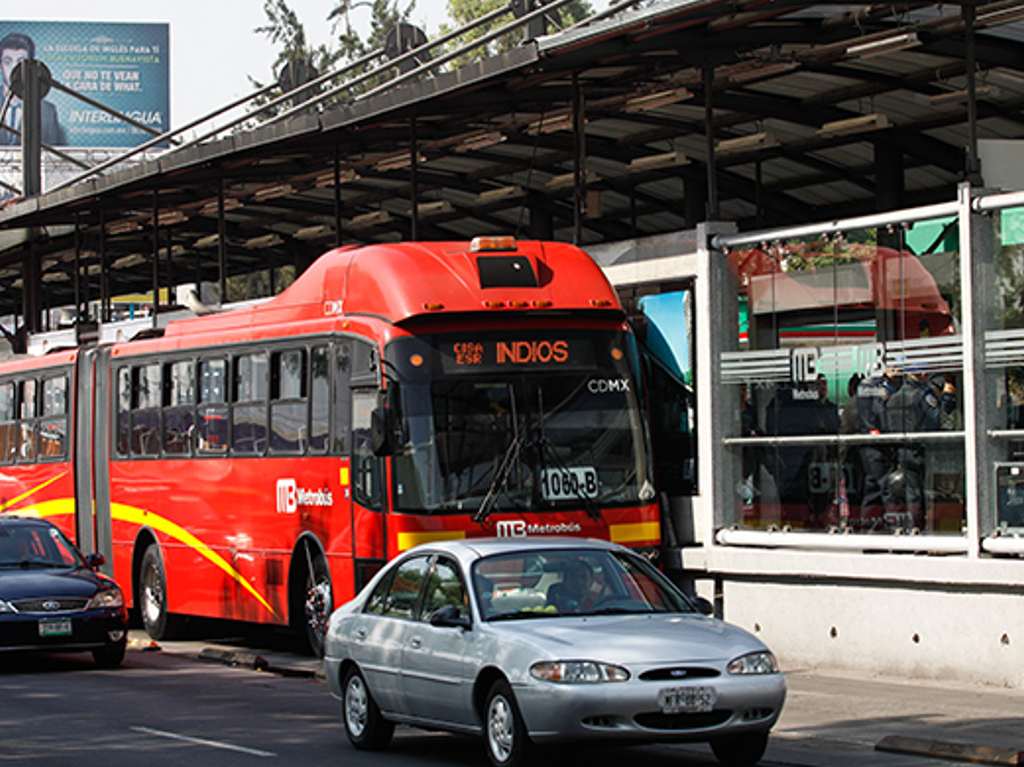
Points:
[[29, 546], [557, 583]]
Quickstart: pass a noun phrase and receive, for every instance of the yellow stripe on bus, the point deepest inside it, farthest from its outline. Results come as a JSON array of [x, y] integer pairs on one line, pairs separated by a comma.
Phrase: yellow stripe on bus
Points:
[[635, 532], [408, 540], [27, 493], [133, 515]]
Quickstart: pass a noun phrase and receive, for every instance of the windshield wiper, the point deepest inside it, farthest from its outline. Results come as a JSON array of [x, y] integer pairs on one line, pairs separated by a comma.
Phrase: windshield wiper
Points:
[[527, 615], [615, 611], [508, 460]]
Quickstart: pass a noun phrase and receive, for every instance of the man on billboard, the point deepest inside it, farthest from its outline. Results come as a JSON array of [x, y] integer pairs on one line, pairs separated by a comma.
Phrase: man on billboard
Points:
[[15, 48]]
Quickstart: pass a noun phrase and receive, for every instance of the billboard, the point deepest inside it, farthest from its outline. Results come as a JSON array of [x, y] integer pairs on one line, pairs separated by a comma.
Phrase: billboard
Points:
[[123, 66]]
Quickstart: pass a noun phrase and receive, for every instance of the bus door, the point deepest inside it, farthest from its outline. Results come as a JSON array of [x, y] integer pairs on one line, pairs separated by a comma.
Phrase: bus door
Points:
[[91, 454], [368, 494]]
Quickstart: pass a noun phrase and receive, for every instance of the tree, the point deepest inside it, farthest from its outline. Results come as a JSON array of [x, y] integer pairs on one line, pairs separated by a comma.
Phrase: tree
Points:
[[462, 12]]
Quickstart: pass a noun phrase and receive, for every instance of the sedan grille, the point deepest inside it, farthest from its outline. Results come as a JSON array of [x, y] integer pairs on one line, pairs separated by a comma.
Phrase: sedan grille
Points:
[[659, 721], [49, 604], [676, 673]]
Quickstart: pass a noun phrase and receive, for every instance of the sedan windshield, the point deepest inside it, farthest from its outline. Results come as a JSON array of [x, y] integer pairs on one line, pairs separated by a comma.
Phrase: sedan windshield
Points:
[[36, 546], [571, 582], [530, 421]]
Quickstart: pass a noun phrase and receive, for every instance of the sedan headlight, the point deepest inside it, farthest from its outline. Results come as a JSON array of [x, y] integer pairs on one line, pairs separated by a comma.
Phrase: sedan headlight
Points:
[[754, 663], [578, 672], [6, 607], [106, 598]]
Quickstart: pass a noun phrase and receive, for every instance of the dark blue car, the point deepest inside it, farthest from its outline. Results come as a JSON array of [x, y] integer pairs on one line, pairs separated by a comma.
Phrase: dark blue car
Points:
[[52, 598]]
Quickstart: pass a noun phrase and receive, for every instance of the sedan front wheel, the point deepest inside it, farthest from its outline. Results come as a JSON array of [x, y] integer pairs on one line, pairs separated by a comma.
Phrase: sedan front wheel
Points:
[[508, 745], [366, 728]]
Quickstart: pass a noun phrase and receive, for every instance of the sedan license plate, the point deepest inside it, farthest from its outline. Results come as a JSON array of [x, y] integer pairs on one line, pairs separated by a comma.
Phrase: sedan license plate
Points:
[[688, 700], [61, 628]]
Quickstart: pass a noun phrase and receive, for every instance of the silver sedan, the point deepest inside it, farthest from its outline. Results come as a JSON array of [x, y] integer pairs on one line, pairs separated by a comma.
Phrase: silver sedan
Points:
[[534, 641]]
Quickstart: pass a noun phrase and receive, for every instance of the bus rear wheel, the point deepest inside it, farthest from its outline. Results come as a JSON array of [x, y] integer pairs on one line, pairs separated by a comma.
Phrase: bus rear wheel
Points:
[[152, 595], [312, 601]]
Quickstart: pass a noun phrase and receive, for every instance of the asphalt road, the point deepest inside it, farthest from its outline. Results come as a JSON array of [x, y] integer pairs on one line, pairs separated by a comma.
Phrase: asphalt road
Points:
[[164, 708]]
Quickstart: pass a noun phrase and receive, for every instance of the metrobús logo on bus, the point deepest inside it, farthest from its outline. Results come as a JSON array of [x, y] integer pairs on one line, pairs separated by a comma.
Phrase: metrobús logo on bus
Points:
[[290, 496], [518, 528]]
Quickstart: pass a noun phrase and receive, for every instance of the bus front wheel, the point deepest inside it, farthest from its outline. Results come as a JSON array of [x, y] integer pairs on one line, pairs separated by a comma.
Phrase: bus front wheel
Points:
[[312, 599]]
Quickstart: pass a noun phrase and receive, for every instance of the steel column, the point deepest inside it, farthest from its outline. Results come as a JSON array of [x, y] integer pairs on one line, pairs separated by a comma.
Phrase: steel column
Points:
[[156, 257], [78, 270], [579, 160], [337, 197], [106, 312], [973, 169], [222, 275], [709, 138], [414, 150]]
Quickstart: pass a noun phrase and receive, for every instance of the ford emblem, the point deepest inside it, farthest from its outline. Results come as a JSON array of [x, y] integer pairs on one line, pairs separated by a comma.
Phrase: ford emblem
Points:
[[51, 605], [677, 673]]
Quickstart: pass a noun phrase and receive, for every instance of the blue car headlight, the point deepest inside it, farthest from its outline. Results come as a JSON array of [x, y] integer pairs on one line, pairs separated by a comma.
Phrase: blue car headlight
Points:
[[6, 607], [106, 598], [578, 672], [754, 663]]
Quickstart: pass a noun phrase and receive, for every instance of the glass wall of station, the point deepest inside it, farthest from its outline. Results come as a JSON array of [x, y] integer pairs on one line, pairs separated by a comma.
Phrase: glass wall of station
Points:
[[849, 373]]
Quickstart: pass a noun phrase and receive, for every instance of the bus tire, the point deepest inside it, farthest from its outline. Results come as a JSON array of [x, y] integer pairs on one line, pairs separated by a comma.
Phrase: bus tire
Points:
[[152, 595], [312, 598]]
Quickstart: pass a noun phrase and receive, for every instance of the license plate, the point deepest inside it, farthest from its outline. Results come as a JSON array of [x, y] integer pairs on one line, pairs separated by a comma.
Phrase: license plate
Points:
[[569, 484], [689, 700], [60, 628]]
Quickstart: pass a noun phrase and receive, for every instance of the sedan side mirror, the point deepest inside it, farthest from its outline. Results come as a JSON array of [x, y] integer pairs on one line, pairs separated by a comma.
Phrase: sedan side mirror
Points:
[[95, 561], [450, 616], [704, 606]]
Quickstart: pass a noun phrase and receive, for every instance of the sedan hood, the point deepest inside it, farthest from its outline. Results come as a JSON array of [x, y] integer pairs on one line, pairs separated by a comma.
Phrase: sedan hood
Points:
[[26, 584], [636, 639]]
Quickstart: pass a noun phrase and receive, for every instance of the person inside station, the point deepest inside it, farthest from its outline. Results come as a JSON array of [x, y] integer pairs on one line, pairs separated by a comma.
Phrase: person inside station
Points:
[[917, 406], [873, 394]]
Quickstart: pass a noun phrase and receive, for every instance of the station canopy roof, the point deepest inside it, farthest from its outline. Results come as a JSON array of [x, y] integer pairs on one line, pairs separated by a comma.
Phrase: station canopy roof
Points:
[[819, 111]]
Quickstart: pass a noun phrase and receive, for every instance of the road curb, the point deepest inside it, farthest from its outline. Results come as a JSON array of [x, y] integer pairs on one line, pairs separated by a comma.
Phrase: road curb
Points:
[[960, 752], [257, 662]]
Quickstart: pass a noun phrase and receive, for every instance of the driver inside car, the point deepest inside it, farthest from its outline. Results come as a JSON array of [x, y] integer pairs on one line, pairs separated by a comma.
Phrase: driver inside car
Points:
[[574, 593]]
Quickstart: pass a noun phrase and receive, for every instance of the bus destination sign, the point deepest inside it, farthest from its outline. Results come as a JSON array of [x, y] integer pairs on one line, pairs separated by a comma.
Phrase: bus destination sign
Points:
[[472, 356]]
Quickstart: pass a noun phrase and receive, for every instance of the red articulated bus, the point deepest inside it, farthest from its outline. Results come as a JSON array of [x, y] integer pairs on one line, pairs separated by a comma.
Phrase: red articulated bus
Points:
[[260, 464]]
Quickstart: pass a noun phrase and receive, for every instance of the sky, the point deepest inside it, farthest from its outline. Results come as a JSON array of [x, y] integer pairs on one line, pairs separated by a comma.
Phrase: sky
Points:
[[213, 47]]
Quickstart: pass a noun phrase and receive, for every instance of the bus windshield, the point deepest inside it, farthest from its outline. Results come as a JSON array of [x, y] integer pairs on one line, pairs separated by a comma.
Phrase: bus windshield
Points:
[[537, 420]]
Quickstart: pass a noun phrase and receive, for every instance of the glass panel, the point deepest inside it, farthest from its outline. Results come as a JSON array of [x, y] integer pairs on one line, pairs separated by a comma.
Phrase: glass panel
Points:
[[288, 427], [53, 437], [124, 406], [178, 424], [28, 400], [182, 384], [7, 402], [8, 423], [367, 469], [146, 431], [444, 588], [249, 428], [319, 400], [289, 375], [250, 378], [405, 588], [147, 387], [55, 396], [1004, 356], [27, 442], [213, 429], [213, 375], [848, 337], [342, 398]]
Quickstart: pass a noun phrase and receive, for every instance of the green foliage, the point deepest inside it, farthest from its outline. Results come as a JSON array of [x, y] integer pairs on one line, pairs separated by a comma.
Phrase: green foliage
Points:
[[462, 12]]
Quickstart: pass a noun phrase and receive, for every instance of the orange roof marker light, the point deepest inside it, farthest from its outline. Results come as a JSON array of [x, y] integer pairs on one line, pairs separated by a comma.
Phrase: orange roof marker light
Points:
[[485, 244], [433, 306], [601, 302]]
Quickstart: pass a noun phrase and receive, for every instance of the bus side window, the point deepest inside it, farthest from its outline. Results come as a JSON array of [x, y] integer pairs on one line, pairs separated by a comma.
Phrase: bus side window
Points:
[[367, 469], [27, 417], [8, 423], [146, 400], [672, 434], [289, 431], [124, 409], [53, 426], [212, 414], [342, 398], [179, 400], [249, 411], [319, 399]]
